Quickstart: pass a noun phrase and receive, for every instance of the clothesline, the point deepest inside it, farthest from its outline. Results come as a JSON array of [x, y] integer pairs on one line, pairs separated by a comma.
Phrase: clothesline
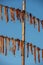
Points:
[[12, 10], [15, 9], [20, 45], [17, 39], [21, 15]]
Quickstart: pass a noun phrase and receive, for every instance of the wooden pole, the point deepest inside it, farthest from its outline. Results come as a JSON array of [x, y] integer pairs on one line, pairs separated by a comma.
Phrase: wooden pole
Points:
[[23, 32]]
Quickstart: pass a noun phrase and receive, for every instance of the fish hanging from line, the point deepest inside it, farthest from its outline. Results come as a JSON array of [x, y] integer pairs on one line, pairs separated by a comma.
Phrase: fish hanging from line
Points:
[[8, 42], [1, 12], [38, 25], [27, 46], [38, 50], [18, 12], [6, 13], [14, 46], [31, 47], [12, 13], [34, 47], [6, 49], [42, 54], [18, 43], [2, 44], [34, 21], [22, 15], [31, 18]]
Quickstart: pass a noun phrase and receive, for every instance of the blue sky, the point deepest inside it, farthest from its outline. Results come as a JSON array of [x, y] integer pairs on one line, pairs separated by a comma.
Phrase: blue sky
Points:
[[12, 29]]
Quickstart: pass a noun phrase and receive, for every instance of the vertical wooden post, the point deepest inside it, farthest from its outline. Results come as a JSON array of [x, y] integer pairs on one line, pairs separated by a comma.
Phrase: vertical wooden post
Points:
[[23, 32]]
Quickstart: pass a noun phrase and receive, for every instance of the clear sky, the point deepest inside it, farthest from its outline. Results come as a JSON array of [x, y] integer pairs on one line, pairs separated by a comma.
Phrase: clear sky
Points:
[[12, 29]]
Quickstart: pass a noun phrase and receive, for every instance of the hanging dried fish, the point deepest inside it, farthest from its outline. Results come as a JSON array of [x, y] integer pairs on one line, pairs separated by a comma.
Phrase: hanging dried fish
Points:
[[38, 25], [34, 53], [38, 50], [18, 11], [42, 54], [31, 49], [5, 46], [1, 12], [14, 46], [2, 44], [22, 15], [18, 42], [31, 18], [12, 10], [6, 13], [34, 22], [8, 42], [42, 23], [27, 45]]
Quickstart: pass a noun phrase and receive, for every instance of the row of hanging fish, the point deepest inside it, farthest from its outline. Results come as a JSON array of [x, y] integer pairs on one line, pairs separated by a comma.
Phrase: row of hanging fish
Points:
[[34, 50], [5, 42], [20, 15]]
